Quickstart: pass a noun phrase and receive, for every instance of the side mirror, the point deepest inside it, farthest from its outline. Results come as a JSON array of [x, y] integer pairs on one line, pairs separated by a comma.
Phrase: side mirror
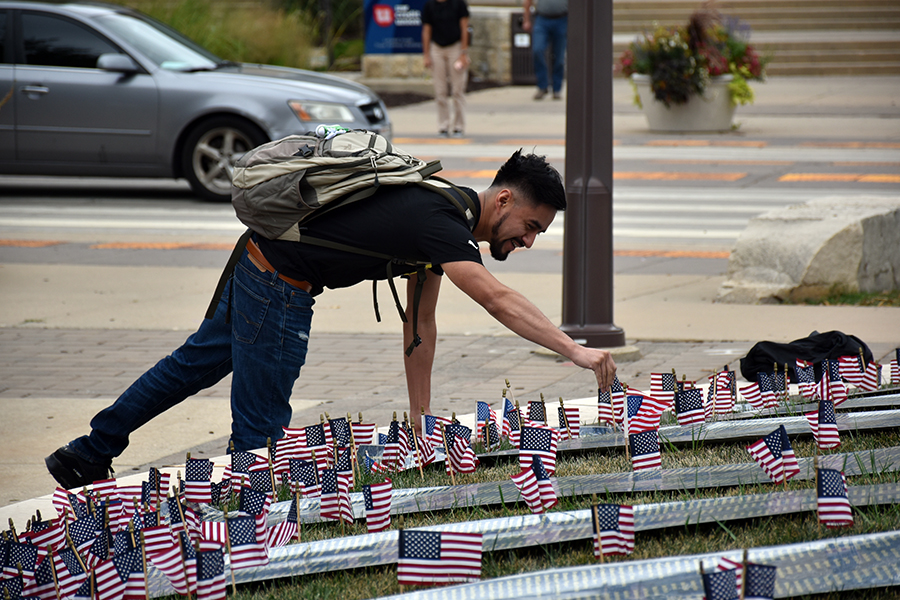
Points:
[[119, 63]]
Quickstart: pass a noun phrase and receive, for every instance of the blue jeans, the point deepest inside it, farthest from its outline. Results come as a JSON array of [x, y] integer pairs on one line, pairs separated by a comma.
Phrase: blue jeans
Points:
[[264, 345], [549, 32]]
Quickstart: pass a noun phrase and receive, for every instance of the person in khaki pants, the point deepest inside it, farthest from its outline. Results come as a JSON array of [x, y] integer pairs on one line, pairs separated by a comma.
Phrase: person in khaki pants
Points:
[[445, 44]]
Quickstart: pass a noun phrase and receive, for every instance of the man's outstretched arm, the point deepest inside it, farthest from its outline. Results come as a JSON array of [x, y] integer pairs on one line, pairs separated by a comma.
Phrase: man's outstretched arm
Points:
[[517, 313], [418, 364]]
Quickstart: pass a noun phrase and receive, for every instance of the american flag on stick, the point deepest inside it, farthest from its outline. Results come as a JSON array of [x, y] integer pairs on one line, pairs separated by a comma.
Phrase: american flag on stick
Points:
[[536, 487], [539, 441], [512, 422], [245, 548], [720, 585], [432, 430], [833, 504], [644, 412], [663, 386], [823, 424], [304, 478], [211, 575], [569, 421], [689, 407], [644, 449], [377, 497], [806, 378], [335, 500], [760, 583], [537, 412], [776, 457], [461, 458], [613, 529], [363, 433], [435, 557], [288, 530], [831, 386]]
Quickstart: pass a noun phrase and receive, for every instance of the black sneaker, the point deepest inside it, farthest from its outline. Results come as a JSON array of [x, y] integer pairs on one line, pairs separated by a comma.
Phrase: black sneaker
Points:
[[72, 471]]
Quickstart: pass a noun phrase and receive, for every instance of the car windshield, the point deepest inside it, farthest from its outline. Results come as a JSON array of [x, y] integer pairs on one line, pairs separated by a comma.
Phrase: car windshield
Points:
[[161, 44]]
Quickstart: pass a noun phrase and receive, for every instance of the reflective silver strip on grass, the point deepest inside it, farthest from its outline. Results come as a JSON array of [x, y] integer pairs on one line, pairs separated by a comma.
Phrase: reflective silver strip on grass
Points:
[[533, 530]]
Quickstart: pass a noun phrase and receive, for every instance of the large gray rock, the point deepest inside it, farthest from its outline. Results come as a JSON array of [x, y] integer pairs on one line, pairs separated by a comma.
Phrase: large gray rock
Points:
[[804, 250]]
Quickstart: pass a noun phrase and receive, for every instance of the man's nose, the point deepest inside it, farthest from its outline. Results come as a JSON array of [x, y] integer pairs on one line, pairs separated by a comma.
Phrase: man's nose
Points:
[[529, 239]]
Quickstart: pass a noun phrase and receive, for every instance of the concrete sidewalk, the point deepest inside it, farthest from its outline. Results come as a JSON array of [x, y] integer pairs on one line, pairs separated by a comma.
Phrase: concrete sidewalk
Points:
[[112, 323]]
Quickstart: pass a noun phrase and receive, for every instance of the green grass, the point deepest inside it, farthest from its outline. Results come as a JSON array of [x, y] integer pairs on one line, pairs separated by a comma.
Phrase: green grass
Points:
[[836, 296], [258, 33], [692, 539]]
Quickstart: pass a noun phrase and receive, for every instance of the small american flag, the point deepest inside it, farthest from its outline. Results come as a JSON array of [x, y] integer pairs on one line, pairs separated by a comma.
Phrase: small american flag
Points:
[[662, 386], [246, 549], [109, 584], [69, 573], [767, 452], [432, 429], [377, 497], [42, 584], [461, 458], [492, 438], [643, 412], [335, 500], [806, 378], [824, 426], [50, 533], [169, 561], [760, 582], [363, 433], [569, 421], [460, 431], [434, 557], [833, 504], [21, 553], [689, 407], [197, 486], [538, 441], [612, 401], [831, 386], [286, 531], [242, 462], [158, 539], [613, 529], [337, 433], [721, 395], [483, 412], [536, 487], [304, 477], [425, 454], [537, 412], [210, 575], [645, 450], [720, 585], [397, 447], [130, 566], [512, 422]]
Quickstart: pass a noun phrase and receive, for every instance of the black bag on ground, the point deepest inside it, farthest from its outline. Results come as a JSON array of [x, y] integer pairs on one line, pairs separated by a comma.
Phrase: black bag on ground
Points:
[[817, 346]]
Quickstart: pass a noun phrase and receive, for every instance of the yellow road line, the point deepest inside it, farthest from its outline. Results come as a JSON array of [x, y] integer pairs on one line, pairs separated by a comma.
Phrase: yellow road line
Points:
[[427, 140], [853, 177], [851, 144], [673, 253], [692, 143], [685, 161], [159, 246], [667, 176], [29, 243]]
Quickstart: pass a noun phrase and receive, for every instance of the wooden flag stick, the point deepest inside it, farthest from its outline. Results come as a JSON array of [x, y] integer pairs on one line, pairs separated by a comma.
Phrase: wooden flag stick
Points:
[[131, 534], [52, 570], [297, 508], [509, 389], [270, 448], [415, 440], [545, 408], [447, 451], [228, 547], [744, 575], [144, 562], [187, 582], [354, 464], [565, 417], [715, 394], [181, 511], [596, 519], [71, 544]]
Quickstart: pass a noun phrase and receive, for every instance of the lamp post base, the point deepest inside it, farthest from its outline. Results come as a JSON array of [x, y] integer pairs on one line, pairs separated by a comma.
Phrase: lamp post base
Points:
[[596, 336]]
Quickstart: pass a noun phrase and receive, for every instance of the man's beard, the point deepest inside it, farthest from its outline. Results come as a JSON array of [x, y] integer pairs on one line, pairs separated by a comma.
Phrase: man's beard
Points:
[[496, 245]]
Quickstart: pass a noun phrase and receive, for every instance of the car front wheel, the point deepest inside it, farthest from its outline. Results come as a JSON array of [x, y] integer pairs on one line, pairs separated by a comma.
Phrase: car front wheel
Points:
[[210, 152]]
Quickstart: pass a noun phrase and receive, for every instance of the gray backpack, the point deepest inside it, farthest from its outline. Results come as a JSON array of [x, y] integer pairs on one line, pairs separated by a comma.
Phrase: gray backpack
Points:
[[285, 183]]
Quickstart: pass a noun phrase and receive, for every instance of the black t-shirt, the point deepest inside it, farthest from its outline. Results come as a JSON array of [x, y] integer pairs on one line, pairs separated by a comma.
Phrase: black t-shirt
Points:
[[401, 221], [444, 20]]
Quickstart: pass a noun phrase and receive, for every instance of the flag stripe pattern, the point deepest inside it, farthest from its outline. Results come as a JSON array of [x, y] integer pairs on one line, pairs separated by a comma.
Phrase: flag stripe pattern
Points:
[[833, 504], [613, 529], [377, 497], [434, 557]]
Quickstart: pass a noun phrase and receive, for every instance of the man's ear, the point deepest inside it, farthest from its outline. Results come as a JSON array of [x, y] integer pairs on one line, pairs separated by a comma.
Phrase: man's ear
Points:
[[503, 197]]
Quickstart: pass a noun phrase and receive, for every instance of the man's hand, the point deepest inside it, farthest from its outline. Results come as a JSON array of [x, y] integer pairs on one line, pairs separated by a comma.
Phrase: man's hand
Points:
[[598, 361]]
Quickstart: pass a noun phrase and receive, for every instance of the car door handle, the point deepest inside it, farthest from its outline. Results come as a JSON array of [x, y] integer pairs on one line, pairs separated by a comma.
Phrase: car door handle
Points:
[[32, 90]]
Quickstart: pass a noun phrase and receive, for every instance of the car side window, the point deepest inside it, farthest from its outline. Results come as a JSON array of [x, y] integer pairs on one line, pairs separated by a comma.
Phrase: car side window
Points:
[[54, 42]]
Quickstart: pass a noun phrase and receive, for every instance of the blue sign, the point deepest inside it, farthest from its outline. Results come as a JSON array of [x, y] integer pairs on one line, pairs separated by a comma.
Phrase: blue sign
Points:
[[393, 26]]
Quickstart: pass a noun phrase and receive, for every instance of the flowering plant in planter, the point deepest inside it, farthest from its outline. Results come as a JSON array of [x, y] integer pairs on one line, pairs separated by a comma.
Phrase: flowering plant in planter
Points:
[[680, 60]]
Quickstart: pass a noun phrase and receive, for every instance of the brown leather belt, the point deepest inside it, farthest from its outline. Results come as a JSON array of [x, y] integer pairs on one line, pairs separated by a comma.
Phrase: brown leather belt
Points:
[[257, 258]]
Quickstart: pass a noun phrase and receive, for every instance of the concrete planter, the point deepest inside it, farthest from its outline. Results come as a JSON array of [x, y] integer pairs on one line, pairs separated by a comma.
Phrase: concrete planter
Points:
[[712, 111]]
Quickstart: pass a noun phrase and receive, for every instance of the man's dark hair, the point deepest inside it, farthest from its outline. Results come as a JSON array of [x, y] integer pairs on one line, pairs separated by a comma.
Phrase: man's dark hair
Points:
[[533, 176]]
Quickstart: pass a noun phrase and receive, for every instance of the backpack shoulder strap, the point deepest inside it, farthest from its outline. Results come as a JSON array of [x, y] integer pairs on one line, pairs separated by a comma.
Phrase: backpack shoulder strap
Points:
[[454, 194]]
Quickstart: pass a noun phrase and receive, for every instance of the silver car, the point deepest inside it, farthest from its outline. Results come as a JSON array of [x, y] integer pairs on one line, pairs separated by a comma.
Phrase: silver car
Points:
[[102, 90]]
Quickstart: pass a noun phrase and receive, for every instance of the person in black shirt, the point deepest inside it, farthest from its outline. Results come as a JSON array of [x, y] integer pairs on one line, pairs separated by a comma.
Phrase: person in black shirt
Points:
[[261, 327], [445, 44]]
